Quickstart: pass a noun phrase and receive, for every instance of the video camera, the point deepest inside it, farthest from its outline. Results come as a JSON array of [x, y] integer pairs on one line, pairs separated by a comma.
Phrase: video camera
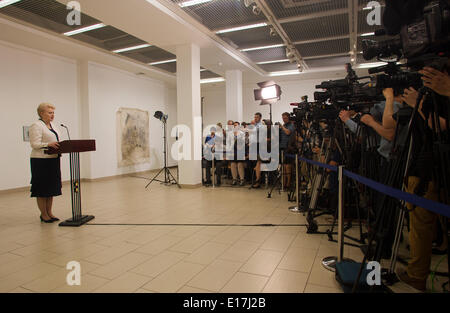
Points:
[[348, 93], [423, 29], [422, 26]]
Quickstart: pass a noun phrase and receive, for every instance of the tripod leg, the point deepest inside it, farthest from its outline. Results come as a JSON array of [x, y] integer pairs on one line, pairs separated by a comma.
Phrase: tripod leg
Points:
[[154, 177]]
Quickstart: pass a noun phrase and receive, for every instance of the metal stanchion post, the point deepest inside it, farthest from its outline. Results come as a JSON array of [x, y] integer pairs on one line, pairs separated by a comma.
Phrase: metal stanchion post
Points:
[[213, 172], [341, 214], [296, 208], [329, 262], [282, 170]]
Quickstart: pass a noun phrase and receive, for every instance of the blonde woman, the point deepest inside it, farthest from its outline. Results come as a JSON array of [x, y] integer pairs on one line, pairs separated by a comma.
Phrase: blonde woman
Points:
[[45, 168]]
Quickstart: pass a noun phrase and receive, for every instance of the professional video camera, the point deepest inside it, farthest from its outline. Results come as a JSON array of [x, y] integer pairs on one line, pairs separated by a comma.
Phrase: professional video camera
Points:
[[423, 27], [349, 93]]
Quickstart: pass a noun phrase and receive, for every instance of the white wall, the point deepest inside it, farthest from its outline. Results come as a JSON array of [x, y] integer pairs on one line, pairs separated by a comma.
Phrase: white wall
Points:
[[214, 108], [28, 78], [111, 89]]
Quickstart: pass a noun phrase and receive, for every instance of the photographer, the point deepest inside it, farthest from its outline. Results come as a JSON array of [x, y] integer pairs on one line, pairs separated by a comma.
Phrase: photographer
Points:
[[286, 132], [379, 113], [420, 181]]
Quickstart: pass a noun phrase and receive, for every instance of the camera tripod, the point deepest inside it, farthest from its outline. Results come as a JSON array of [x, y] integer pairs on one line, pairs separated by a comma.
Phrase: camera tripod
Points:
[[168, 177], [390, 209]]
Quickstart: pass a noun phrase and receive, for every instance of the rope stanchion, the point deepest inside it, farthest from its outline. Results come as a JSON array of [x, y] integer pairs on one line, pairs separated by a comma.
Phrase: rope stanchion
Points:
[[433, 206]]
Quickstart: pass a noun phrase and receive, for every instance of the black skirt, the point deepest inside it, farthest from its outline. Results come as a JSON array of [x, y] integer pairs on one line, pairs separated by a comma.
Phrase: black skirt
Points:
[[45, 177]]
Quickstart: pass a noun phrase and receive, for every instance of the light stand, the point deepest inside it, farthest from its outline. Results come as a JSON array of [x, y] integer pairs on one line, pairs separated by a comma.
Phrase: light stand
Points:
[[168, 177]]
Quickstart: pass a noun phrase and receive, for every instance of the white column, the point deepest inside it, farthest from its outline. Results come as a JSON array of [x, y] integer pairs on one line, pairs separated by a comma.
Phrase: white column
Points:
[[233, 85], [189, 111]]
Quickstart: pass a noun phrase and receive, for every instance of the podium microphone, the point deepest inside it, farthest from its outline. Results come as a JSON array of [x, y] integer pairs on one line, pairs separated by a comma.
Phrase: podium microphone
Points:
[[67, 129]]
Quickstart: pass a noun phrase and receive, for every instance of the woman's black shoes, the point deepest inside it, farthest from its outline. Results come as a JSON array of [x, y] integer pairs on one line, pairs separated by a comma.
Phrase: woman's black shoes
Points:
[[55, 219], [46, 221]]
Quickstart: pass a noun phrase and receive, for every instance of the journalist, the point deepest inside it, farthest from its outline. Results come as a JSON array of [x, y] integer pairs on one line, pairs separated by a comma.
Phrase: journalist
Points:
[[421, 181]]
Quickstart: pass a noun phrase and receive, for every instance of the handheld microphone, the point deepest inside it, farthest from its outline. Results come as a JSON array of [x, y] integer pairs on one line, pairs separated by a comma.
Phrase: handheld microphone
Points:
[[67, 129]]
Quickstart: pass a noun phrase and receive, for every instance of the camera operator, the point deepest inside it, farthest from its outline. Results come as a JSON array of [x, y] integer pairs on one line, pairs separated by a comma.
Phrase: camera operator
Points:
[[421, 181], [286, 132], [379, 113]]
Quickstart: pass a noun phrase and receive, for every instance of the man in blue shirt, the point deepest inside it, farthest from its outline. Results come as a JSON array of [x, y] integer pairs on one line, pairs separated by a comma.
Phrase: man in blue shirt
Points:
[[287, 129], [375, 121]]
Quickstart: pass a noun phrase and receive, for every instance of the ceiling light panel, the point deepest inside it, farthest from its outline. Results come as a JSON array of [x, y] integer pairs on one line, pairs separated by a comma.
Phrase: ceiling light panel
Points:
[[47, 14], [289, 8], [274, 67], [252, 37], [327, 62], [324, 47], [222, 14], [323, 27], [267, 54]]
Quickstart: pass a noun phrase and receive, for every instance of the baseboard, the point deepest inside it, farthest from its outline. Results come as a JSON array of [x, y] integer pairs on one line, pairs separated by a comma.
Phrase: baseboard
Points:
[[90, 180], [190, 186]]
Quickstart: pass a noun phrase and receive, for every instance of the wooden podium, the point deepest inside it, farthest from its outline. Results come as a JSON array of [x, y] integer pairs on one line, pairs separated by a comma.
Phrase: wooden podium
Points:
[[74, 147]]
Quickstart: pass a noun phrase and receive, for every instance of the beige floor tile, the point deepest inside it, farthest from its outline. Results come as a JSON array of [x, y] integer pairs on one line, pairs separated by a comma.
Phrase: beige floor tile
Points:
[[174, 278], [158, 264], [283, 281], [278, 242], [215, 275], [321, 276], [110, 254], [121, 265], [88, 284], [245, 283], [231, 235], [187, 289], [304, 240], [298, 259], [263, 262], [240, 251], [190, 244], [48, 282], [20, 290], [207, 253], [26, 275], [125, 283], [258, 234], [9, 257], [157, 246], [311, 288]]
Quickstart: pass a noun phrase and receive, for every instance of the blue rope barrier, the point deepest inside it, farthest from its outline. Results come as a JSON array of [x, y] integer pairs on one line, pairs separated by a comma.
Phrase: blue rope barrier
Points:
[[436, 207]]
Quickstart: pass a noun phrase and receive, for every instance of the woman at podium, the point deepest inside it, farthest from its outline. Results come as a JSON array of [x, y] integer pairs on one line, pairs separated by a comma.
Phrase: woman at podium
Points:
[[45, 168]]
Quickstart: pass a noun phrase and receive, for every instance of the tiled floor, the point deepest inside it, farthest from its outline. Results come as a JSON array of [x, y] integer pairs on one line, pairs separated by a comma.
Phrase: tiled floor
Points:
[[164, 258]]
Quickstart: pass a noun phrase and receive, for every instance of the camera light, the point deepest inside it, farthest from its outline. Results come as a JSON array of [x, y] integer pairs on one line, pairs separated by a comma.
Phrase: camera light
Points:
[[269, 93]]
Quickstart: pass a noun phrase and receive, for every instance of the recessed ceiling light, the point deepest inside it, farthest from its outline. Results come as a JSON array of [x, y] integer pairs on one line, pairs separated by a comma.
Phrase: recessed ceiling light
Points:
[[235, 29], [84, 29], [262, 47], [212, 80], [273, 61], [192, 2], [163, 62], [132, 48], [282, 73], [4, 3], [373, 64], [367, 34]]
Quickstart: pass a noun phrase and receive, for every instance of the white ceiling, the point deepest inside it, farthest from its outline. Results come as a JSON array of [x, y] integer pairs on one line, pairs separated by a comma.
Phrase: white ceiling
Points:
[[158, 22]]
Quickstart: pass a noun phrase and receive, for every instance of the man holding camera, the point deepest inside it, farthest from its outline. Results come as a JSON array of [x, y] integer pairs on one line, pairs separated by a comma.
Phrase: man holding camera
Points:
[[421, 181], [287, 129], [378, 114]]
